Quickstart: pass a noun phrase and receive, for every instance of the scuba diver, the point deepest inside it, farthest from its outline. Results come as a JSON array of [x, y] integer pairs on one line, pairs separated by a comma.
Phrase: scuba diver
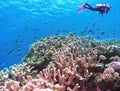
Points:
[[102, 8]]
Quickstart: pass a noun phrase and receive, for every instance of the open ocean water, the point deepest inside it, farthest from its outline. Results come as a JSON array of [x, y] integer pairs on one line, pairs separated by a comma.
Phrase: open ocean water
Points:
[[22, 22]]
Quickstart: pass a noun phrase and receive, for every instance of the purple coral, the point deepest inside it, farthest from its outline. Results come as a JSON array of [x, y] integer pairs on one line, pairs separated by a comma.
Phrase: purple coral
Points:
[[115, 65]]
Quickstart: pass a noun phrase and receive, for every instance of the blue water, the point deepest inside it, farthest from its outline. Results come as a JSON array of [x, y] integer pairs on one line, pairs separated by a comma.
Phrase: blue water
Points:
[[22, 22]]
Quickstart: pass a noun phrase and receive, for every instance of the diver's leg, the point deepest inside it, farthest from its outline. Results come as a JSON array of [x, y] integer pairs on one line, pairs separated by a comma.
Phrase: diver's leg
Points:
[[88, 6], [91, 8]]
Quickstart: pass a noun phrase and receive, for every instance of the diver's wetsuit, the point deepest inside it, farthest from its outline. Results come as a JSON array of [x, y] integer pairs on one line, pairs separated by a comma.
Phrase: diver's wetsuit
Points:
[[101, 9]]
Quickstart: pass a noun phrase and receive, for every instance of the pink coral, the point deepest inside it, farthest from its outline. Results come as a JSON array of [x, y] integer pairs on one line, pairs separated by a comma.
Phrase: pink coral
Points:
[[11, 85], [98, 88], [70, 71], [109, 75]]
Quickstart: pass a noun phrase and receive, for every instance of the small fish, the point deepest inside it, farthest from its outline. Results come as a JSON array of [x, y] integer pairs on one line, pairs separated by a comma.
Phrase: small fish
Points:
[[72, 29], [34, 38], [11, 52], [1, 64], [7, 43], [21, 41], [18, 55], [26, 28], [91, 31], [98, 37], [102, 33], [82, 33], [16, 41]]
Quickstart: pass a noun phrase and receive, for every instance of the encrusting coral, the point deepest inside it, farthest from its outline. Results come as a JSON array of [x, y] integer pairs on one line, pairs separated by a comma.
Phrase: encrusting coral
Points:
[[66, 63]]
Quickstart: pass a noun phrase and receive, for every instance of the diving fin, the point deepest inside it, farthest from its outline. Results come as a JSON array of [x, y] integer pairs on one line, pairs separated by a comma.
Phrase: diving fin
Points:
[[81, 8]]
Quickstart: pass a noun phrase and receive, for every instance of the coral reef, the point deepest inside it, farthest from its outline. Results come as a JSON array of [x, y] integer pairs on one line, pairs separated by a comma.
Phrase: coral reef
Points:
[[66, 63]]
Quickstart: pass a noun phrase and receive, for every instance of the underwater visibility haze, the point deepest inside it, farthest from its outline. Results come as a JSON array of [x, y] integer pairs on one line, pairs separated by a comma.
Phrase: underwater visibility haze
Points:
[[50, 34]]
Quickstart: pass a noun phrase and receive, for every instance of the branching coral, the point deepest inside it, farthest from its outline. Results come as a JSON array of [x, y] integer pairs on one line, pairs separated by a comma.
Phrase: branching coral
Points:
[[66, 63]]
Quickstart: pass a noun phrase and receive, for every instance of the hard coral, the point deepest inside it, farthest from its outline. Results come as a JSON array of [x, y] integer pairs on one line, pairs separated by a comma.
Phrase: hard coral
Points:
[[109, 75], [66, 63]]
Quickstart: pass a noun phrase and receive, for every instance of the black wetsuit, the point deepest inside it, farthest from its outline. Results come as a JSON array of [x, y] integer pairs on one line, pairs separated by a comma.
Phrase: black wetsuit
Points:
[[101, 9]]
